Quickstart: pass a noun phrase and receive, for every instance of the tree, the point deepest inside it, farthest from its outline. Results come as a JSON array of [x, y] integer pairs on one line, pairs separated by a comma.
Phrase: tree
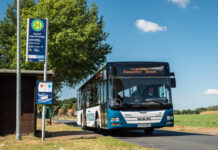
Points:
[[199, 110], [76, 44], [177, 112], [73, 109], [69, 101], [64, 108], [184, 111], [212, 108]]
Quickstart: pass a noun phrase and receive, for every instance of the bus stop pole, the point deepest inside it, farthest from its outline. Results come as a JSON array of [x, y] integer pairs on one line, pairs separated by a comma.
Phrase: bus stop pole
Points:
[[45, 79], [18, 97]]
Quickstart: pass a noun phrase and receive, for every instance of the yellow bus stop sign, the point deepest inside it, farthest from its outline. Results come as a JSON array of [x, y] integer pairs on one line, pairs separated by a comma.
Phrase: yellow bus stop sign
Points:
[[37, 25]]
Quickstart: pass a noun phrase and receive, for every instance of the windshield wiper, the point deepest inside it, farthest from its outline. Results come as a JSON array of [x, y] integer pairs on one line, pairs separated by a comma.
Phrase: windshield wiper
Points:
[[127, 104], [160, 101]]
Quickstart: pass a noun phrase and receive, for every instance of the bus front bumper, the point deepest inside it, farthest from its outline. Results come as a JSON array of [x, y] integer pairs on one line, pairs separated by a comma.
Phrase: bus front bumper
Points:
[[166, 121]]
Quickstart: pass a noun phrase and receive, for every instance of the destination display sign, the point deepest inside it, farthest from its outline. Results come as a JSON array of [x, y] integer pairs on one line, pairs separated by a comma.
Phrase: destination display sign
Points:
[[142, 70], [139, 69], [44, 92], [36, 40]]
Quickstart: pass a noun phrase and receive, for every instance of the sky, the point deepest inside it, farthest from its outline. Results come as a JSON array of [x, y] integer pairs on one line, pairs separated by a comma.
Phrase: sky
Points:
[[181, 32]]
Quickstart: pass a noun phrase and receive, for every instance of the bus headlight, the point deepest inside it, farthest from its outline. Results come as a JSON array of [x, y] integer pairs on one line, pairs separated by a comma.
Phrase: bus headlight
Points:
[[169, 117], [115, 119]]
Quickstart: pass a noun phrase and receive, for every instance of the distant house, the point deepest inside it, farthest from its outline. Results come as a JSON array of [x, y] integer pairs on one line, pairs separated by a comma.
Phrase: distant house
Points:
[[69, 112], [59, 113]]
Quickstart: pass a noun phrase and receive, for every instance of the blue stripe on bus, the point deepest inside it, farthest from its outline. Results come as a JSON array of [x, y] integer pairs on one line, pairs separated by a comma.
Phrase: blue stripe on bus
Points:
[[122, 123]]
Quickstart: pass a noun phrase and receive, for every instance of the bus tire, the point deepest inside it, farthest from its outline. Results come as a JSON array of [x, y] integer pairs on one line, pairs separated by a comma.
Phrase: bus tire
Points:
[[149, 131], [105, 132]]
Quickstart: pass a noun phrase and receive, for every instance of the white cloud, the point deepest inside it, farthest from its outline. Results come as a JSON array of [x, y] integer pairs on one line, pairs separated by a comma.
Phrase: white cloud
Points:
[[147, 26], [211, 92], [181, 3]]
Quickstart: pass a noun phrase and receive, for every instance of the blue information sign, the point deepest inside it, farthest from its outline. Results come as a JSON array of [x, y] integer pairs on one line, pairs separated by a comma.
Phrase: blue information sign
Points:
[[44, 92], [36, 40]]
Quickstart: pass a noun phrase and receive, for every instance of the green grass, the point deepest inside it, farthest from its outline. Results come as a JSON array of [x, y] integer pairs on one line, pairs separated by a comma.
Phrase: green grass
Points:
[[100, 143], [31, 142], [200, 120]]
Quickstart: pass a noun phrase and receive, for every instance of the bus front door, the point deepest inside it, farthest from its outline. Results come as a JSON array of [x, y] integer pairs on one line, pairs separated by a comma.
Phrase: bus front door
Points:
[[104, 104]]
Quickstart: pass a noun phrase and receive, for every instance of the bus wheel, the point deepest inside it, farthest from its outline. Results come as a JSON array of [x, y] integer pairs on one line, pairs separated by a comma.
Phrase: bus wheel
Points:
[[149, 131], [97, 123], [105, 132]]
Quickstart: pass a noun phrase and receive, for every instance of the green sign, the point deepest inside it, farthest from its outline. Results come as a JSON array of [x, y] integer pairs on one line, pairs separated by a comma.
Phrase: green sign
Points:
[[37, 25], [48, 113]]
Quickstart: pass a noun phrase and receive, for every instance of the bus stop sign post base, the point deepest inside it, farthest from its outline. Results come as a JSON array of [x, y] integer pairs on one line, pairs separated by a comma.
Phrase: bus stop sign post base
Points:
[[43, 123]]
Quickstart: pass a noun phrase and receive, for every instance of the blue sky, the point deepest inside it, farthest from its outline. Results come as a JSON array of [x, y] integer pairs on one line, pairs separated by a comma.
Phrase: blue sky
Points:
[[181, 32]]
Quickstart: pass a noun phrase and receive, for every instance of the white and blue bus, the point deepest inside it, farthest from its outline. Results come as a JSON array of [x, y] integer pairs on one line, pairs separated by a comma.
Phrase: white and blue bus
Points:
[[127, 95]]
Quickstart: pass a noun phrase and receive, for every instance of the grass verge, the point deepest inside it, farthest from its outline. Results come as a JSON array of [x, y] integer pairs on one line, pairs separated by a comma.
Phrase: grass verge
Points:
[[69, 142], [199, 120]]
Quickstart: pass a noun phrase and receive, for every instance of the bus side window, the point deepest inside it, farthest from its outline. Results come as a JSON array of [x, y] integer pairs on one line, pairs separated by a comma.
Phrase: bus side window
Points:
[[99, 92], [105, 92], [102, 92]]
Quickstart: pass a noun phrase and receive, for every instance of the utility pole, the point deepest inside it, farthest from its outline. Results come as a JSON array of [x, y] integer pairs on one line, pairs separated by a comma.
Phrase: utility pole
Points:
[[18, 98]]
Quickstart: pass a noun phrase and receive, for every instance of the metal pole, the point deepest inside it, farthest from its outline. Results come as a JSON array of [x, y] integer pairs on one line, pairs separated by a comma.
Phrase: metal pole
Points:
[[43, 123], [18, 98], [45, 79]]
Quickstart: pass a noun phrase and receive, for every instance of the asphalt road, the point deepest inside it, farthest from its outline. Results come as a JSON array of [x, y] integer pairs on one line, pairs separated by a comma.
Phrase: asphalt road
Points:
[[165, 140], [169, 140]]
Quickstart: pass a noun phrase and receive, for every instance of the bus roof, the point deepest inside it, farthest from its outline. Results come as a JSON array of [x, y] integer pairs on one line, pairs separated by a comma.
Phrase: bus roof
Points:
[[125, 62]]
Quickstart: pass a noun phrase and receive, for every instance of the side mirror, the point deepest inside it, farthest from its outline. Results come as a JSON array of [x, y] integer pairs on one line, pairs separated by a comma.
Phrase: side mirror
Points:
[[173, 82]]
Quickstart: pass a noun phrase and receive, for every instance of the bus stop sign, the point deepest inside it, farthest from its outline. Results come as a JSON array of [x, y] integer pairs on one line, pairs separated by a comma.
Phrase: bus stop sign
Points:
[[36, 40], [44, 92]]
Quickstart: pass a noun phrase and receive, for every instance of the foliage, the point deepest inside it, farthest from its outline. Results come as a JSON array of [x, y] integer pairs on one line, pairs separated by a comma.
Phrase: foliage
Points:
[[196, 111], [55, 110], [70, 101], [76, 46], [74, 109], [199, 110], [64, 108], [212, 108], [63, 105], [202, 120]]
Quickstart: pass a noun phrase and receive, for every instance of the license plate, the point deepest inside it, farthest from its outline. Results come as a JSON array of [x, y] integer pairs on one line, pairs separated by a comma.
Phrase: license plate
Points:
[[142, 125]]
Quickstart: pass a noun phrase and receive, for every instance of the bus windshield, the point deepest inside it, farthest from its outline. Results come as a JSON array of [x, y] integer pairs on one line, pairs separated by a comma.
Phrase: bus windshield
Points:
[[138, 91]]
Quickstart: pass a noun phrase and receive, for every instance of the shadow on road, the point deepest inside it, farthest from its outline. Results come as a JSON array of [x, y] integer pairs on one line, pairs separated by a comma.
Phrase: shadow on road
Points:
[[73, 134], [69, 133], [140, 133], [72, 124], [76, 134], [136, 133]]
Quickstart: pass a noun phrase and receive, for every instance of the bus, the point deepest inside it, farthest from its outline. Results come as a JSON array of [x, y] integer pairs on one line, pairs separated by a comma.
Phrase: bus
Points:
[[127, 95]]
